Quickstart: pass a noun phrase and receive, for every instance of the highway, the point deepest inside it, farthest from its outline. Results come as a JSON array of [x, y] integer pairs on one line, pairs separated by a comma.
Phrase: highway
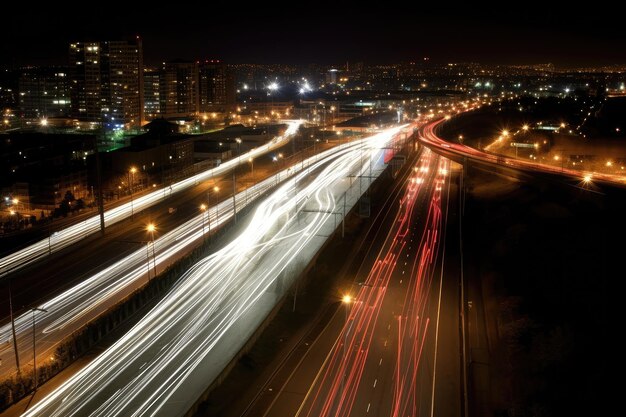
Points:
[[171, 356], [70, 310], [582, 179], [74, 308], [397, 350], [61, 239]]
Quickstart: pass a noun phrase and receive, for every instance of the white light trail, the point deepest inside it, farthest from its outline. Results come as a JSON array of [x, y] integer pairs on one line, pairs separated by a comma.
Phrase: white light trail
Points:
[[65, 237], [163, 364]]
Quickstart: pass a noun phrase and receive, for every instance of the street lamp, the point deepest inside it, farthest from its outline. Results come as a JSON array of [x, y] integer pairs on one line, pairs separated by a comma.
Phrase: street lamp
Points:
[[131, 177], [203, 208], [238, 140], [272, 87], [34, 356], [251, 167], [151, 228], [216, 189], [346, 300]]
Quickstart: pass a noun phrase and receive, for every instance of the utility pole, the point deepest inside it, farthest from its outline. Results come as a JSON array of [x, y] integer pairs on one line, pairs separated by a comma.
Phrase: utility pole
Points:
[[99, 183], [343, 222], [234, 193], [148, 259], [17, 356], [34, 356], [295, 196]]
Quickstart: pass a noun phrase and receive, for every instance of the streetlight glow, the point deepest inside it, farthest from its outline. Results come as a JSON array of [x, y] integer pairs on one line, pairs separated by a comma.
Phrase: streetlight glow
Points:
[[151, 227], [347, 299]]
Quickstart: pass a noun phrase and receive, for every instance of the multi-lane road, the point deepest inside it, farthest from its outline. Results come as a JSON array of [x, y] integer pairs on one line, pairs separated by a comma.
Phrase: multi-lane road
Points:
[[393, 348], [429, 137], [71, 309], [63, 238], [165, 362]]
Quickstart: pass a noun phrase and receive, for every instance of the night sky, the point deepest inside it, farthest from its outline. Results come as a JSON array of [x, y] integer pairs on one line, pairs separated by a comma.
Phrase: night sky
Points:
[[280, 33]]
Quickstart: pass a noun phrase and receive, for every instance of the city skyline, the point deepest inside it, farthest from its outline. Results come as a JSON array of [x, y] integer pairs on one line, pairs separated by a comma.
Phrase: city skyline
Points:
[[281, 35]]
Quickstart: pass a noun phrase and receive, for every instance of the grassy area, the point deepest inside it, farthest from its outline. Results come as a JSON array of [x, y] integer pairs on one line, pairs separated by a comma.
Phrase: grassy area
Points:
[[545, 257]]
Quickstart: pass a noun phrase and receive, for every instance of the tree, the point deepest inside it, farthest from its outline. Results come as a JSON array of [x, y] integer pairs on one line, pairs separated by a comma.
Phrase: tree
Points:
[[69, 197]]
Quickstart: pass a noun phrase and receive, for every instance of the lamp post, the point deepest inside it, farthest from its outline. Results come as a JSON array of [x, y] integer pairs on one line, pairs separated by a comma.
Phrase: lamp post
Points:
[[14, 215], [131, 177], [17, 356], [151, 228], [272, 87], [203, 208], [34, 355], [346, 300], [216, 189], [251, 167]]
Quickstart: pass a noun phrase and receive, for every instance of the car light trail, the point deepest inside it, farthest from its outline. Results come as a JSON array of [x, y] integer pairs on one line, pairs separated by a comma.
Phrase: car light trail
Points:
[[64, 238], [341, 379], [581, 178], [163, 364], [414, 321], [82, 303]]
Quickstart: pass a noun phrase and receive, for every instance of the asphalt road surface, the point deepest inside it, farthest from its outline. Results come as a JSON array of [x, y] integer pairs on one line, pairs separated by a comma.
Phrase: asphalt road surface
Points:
[[169, 358], [394, 346]]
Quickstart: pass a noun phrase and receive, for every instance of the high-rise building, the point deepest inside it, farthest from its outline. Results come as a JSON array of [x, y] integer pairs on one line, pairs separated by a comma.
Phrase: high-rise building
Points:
[[179, 89], [151, 94], [44, 92], [331, 76], [85, 86], [107, 82], [216, 87]]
